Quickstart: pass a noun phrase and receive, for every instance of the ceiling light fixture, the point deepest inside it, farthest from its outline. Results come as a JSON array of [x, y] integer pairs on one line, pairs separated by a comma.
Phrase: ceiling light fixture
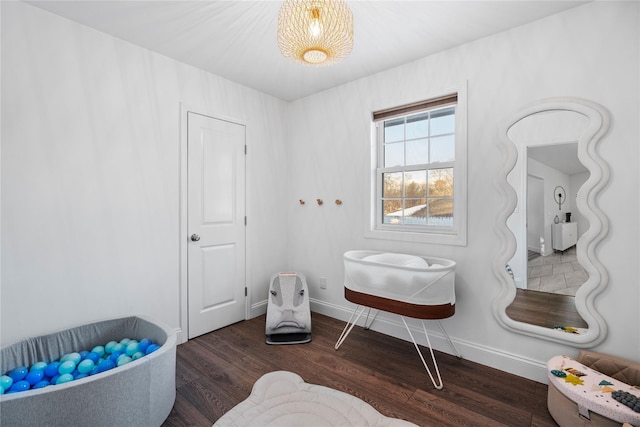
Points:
[[316, 32]]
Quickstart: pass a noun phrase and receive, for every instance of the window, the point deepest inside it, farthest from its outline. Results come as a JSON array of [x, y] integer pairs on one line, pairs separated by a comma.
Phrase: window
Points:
[[420, 172]]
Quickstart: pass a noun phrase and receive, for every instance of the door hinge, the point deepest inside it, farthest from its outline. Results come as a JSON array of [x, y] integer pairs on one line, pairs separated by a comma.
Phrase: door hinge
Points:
[[245, 291]]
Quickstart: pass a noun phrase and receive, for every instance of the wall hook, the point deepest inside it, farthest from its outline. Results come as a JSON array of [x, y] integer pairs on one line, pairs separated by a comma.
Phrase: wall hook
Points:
[[301, 202], [320, 202], [338, 202]]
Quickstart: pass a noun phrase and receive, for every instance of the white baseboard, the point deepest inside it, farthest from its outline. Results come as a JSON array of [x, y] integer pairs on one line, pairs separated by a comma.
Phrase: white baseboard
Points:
[[181, 337], [258, 309], [390, 324]]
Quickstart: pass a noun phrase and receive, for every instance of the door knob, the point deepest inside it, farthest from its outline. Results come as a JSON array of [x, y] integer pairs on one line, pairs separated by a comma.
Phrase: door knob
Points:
[[195, 237]]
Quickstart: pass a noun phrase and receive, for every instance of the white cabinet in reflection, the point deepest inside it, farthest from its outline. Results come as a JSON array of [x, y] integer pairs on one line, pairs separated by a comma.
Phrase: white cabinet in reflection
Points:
[[564, 235]]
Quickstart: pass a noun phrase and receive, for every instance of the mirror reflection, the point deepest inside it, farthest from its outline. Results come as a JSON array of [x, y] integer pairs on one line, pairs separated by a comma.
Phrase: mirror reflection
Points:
[[553, 226], [547, 224], [552, 233]]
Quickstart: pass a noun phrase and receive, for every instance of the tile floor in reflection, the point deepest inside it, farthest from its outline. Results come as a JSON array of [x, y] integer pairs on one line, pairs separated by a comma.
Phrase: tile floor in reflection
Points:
[[558, 273]]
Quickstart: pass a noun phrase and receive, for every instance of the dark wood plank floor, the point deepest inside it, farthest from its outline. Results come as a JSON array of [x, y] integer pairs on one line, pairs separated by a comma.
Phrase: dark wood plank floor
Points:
[[545, 309], [216, 371]]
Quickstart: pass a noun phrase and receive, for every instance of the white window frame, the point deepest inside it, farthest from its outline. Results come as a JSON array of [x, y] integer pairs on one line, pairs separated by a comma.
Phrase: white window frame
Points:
[[455, 235]]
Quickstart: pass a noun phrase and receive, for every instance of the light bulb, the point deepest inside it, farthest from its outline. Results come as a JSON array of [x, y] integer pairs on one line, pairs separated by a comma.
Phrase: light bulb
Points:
[[315, 27]]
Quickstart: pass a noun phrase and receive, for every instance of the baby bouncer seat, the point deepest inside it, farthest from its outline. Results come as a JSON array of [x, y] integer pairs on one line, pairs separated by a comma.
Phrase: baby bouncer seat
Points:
[[288, 312]]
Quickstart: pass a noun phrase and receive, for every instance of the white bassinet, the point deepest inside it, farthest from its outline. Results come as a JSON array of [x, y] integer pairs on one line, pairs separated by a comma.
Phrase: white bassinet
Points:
[[288, 312]]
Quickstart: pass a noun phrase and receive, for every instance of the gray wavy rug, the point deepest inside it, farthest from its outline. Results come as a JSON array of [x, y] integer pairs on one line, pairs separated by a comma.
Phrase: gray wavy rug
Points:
[[283, 399]]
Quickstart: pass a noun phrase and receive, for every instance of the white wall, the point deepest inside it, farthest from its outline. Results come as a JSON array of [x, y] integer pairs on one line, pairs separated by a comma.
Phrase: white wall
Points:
[[589, 52], [91, 175], [552, 179]]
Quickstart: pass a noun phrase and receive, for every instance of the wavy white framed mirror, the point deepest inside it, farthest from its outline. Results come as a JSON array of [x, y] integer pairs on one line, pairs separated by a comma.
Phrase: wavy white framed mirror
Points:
[[540, 142]]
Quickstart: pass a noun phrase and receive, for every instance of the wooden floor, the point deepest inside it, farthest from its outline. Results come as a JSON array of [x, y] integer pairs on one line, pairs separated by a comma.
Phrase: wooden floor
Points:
[[545, 309], [216, 371]]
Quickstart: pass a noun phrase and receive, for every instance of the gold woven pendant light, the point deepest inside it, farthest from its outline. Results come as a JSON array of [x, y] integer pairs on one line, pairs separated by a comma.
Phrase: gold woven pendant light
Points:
[[316, 32]]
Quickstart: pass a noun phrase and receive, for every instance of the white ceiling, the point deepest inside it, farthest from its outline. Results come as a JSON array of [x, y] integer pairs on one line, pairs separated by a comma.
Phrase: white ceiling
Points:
[[237, 39], [562, 157]]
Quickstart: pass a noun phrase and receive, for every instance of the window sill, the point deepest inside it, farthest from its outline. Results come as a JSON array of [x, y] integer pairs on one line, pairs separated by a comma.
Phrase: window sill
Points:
[[454, 239]]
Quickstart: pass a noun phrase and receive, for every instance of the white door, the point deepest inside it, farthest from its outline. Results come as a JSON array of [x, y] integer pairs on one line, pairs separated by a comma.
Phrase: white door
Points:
[[216, 223]]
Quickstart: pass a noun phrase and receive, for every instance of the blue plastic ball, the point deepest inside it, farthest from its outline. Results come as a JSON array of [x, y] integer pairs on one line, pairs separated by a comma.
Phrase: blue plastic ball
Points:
[[19, 386], [114, 356], [93, 356], [152, 348], [54, 379], [35, 376], [64, 378], [79, 376], [38, 366], [52, 369], [108, 348], [137, 355], [41, 384], [5, 382], [123, 360], [143, 344], [118, 347], [18, 373], [74, 357], [106, 365], [66, 367], [132, 348], [99, 350], [83, 354], [125, 341], [85, 366]]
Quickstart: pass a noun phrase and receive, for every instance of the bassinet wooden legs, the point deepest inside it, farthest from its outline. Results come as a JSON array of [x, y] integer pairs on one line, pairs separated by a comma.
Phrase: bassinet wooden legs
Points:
[[352, 322]]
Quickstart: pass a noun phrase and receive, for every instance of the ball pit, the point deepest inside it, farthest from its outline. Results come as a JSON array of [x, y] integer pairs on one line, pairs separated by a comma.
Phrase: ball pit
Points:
[[72, 366], [128, 365]]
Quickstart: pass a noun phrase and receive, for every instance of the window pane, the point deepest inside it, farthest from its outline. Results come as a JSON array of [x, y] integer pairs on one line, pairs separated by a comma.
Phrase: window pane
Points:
[[415, 212], [443, 149], [415, 166], [443, 121], [394, 154], [440, 212], [415, 184], [441, 182], [392, 212], [392, 184], [418, 126], [394, 130], [418, 152]]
